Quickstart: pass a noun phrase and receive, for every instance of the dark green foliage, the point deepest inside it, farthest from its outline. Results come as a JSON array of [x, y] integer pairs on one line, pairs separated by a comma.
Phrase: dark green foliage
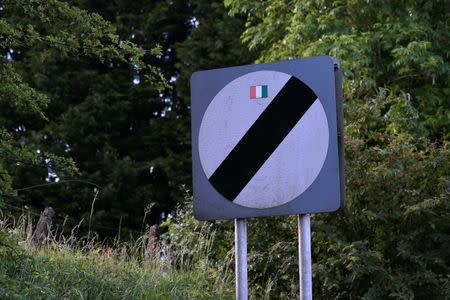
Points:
[[35, 34], [398, 45], [212, 43], [392, 238], [107, 109]]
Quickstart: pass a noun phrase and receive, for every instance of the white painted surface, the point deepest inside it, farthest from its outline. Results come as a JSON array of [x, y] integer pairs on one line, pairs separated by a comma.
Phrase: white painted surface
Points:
[[258, 91]]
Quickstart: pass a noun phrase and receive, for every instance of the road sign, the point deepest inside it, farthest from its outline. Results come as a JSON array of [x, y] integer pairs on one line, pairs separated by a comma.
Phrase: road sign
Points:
[[265, 139]]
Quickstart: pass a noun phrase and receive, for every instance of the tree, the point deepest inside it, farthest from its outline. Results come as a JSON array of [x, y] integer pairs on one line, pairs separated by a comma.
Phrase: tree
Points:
[[212, 43], [132, 142], [45, 44], [391, 239], [129, 140], [398, 45]]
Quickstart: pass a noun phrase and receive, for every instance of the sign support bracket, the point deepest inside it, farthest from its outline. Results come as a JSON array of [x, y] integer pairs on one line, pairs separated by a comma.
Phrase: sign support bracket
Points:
[[304, 253], [240, 244]]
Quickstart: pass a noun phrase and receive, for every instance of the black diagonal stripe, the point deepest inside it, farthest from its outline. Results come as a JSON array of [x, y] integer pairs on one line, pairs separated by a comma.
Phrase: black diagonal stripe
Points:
[[263, 137]]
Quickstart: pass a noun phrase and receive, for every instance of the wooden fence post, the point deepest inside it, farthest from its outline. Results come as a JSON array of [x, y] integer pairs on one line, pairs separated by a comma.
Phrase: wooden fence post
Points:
[[42, 227], [152, 240]]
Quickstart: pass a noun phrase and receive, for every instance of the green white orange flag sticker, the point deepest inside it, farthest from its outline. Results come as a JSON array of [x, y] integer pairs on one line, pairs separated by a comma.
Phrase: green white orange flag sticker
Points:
[[258, 91]]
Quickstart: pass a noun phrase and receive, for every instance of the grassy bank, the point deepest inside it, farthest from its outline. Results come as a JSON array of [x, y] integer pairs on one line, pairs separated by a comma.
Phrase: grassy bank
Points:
[[71, 271]]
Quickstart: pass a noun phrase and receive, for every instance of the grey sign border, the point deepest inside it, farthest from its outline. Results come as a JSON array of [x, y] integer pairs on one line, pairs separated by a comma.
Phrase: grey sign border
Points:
[[327, 193]]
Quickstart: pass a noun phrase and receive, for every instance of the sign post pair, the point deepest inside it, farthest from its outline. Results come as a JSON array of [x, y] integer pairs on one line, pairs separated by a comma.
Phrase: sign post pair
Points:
[[267, 140]]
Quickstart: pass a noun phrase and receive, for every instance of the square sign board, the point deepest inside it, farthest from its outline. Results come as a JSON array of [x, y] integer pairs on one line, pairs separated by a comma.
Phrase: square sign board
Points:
[[267, 139]]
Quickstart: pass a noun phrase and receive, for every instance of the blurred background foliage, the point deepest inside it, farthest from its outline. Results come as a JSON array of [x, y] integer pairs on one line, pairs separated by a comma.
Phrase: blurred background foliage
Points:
[[94, 121]]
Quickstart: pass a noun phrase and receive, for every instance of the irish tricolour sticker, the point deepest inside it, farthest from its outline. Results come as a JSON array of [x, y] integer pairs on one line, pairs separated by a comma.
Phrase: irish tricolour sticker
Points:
[[258, 91], [265, 152]]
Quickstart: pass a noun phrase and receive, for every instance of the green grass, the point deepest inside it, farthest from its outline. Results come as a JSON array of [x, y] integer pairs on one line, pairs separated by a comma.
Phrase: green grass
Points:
[[100, 272]]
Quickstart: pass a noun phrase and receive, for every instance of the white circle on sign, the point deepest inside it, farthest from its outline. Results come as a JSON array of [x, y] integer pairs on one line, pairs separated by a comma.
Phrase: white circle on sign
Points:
[[297, 157]]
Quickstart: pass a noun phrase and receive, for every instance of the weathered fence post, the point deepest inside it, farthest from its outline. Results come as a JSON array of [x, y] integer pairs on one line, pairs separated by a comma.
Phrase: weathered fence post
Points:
[[152, 240], [42, 227]]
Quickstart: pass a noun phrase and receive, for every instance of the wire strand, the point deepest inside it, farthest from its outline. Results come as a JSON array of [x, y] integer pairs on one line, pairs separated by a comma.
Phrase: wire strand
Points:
[[56, 183]]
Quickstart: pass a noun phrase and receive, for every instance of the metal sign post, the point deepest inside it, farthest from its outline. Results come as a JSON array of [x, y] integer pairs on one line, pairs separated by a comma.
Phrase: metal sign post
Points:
[[304, 254], [240, 244]]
